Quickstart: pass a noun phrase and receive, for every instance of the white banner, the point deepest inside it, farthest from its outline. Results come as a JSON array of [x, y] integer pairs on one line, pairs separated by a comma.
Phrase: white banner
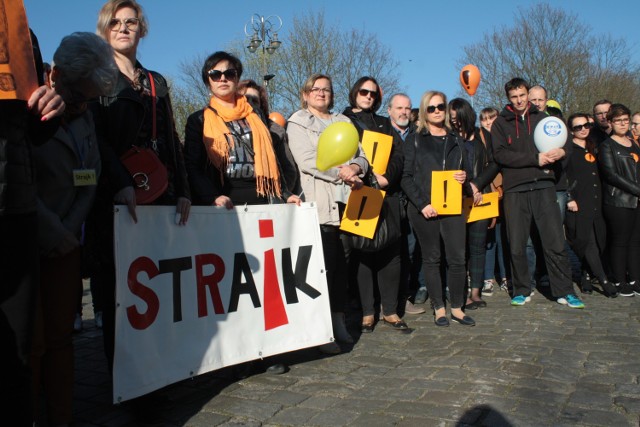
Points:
[[229, 287]]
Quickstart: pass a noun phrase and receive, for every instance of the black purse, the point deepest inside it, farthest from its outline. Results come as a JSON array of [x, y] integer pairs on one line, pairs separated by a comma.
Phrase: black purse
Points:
[[389, 228]]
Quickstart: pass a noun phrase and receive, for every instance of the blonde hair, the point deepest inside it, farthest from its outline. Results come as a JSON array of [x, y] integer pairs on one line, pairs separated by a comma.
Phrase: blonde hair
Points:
[[424, 103], [109, 10], [306, 88]]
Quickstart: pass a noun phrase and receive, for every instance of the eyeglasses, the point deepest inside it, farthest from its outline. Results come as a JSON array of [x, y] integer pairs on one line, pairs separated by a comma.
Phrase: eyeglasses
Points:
[[620, 121], [324, 90], [131, 24], [586, 126], [432, 108], [216, 75], [365, 92], [634, 124]]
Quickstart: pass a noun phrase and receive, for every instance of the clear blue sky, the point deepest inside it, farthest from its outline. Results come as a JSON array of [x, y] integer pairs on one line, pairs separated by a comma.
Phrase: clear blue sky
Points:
[[427, 36]]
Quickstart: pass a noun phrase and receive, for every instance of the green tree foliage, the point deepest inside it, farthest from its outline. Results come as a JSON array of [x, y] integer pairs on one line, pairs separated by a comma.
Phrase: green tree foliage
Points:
[[553, 48]]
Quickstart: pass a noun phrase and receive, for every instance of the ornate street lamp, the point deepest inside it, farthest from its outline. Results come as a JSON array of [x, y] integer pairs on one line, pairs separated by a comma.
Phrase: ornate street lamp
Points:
[[263, 32]]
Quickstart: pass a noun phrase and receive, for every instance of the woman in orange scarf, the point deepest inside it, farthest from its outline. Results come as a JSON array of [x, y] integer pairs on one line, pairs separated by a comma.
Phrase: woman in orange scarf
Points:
[[228, 151]]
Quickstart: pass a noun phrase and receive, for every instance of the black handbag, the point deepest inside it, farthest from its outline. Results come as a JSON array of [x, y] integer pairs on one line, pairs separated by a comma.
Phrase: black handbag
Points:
[[389, 228]]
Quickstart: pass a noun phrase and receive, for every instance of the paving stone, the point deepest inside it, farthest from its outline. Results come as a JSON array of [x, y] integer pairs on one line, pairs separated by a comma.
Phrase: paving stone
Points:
[[521, 369], [320, 402], [376, 420], [629, 404], [242, 407], [286, 398], [206, 419], [333, 418], [445, 398], [581, 416], [293, 416]]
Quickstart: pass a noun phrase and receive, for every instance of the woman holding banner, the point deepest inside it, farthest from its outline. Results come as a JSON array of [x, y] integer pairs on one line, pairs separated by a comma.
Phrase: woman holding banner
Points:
[[136, 114], [229, 152], [380, 269], [435, 148], [479, 155], [323, 188]]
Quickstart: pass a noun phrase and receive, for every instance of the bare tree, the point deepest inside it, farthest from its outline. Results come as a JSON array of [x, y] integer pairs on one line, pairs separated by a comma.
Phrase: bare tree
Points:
[[311, 45], [548, 46]]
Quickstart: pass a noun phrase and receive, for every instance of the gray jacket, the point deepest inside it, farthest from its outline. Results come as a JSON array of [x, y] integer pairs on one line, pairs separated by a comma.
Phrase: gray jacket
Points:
[[322, 187], [61, 205]]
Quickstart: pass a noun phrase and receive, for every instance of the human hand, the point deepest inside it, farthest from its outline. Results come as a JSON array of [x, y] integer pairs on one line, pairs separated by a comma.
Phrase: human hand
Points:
[[492, 224], [348, 172], [68, 243], [429, 212], [46, 102], [572, 206], [223, 201], [382, 181], [183, 207], [544, 159], [460, 176], [127, 196], [294, 200]]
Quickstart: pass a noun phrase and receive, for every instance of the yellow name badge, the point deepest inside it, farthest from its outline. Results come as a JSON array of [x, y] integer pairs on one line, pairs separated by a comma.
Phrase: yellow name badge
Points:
[[377, 149], [485, 210], [82, 177], [446, 193], [363, 211]]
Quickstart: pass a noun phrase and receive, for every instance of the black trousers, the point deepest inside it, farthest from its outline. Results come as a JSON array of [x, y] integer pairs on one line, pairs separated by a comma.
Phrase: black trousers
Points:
[[539, 206], [451, 230], [336, 266], [19, 274], [623, 229], [379, 270]]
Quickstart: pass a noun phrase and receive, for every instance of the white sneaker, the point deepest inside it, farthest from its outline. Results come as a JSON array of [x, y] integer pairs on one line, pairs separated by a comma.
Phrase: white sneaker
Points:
[[98, 319], [487, 288], [77, 323]]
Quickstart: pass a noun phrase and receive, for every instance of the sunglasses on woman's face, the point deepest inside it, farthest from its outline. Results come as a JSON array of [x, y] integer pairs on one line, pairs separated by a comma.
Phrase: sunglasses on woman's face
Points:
[[365, 92], [216, 75], [578, 128], [432, 108]]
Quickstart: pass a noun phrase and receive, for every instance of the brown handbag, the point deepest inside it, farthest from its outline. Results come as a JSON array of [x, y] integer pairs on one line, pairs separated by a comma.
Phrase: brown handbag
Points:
[[148, 172]]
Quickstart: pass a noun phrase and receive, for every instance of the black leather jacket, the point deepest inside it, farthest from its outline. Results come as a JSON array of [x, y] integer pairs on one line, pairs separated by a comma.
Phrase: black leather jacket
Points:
[[484, 169], [122, 121], [419, 162], [619, 173]]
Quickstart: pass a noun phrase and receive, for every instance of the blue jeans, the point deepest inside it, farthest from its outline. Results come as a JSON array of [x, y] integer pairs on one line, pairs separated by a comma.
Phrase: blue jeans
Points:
[[494, 250]]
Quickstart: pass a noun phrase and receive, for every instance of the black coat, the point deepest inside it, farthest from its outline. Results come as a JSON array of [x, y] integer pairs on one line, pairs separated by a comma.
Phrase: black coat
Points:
[[483, 169], [585, 189], [420, 161], [620, 174], [124, 120]]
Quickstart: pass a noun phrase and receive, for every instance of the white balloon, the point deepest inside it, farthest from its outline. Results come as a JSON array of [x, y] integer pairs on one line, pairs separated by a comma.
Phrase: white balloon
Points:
[[550, 133]]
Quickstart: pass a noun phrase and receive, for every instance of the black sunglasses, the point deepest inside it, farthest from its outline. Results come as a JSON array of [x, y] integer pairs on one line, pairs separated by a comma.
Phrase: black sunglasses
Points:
[[578, 128], [365, 92], [432, 108], [216, 75]]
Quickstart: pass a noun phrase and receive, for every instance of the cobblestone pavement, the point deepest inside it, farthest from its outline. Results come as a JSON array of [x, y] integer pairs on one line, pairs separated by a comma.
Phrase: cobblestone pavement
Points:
[[540, 364]]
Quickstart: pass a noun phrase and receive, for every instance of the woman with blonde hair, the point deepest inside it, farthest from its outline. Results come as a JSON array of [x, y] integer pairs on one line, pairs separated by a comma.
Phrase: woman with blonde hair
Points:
[[435, 147]]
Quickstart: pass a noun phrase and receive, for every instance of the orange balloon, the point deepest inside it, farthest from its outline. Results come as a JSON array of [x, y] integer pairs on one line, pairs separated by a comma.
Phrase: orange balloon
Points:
[[470, 78], [278, 118]]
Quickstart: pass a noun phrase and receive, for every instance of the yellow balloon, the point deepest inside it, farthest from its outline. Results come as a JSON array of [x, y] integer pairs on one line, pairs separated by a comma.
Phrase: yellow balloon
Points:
[[337, 144]]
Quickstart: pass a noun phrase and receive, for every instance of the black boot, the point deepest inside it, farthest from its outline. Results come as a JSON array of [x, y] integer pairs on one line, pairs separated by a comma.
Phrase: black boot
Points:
[[585, 284], [609, 289]]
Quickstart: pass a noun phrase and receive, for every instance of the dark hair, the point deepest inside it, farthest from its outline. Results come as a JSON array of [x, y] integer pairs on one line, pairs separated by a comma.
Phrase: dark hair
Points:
[[353, 93], [515, 83], [618, 110], [601, 102], [263, 101], [213, 60], [415, 114], [590, 144], [465, 117], [555, 112]]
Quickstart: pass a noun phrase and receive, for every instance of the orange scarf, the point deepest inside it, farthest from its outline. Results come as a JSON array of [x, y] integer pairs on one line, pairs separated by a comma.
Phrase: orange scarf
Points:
[[217, 139]]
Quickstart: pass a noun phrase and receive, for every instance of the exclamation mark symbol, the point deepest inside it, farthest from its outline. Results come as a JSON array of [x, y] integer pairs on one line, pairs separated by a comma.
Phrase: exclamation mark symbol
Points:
[[444, 205], [274, 312], [465, 77], [362, 203], [373, 156]]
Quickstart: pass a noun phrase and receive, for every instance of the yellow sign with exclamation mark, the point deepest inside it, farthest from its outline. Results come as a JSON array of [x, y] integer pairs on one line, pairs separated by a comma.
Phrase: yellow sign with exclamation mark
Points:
[[446, 193], [377, 148], [363, 211]]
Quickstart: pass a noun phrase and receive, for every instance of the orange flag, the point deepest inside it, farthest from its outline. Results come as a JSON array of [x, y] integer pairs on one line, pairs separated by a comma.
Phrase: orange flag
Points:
[[18, 77]]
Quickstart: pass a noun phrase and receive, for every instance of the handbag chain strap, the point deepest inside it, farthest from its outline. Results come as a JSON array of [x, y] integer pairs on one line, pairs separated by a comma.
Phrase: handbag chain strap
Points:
[[154, 135]]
